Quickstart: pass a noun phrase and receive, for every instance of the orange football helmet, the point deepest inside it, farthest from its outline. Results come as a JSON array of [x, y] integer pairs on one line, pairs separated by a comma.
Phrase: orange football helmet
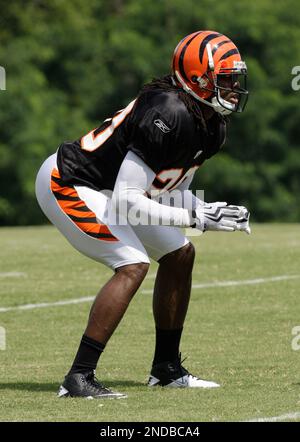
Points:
[[207, 63]]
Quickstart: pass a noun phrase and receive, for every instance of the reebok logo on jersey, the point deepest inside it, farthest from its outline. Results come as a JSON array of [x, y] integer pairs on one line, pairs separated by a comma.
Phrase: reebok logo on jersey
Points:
[[161, 125]]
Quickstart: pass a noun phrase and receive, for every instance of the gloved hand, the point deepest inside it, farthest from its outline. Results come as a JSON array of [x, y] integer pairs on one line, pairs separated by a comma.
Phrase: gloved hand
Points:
[[219, 216]]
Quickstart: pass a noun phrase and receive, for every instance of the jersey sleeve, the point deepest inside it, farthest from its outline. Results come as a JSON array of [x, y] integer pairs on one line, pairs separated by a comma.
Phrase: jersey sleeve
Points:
[[130, 201], [153, 134]]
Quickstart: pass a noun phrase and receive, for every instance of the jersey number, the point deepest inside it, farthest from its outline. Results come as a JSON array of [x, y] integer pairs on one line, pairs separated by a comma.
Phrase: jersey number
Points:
[[91, 142], [168, 179]]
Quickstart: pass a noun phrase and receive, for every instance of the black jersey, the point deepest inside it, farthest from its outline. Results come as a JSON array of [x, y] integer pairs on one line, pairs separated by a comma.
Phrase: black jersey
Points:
[[157, 127]]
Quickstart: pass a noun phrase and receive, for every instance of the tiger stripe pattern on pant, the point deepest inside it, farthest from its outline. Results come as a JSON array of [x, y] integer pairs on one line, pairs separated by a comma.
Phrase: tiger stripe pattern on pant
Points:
[[69, 201]]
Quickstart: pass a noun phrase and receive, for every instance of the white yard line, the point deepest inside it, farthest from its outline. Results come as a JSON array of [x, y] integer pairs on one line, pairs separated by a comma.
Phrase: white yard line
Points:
[[283, 417], [47, 304], [236, 283], [145, 291], [12, 274]]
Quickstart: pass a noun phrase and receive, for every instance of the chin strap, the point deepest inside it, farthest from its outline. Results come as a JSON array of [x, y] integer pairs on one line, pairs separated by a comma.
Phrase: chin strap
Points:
[[218, 108]]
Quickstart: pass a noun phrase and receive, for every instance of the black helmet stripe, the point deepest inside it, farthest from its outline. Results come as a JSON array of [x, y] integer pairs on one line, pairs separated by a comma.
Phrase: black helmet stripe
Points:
[[181, 67], [204, 43], [229, 53], [216, 46]]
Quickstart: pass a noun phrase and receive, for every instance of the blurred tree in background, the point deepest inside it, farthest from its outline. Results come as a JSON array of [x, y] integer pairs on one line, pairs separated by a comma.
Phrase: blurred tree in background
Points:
[[70, 64]]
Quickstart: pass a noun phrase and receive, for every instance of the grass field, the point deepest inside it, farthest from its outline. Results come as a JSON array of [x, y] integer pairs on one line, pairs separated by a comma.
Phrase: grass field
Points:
[[238, 335]]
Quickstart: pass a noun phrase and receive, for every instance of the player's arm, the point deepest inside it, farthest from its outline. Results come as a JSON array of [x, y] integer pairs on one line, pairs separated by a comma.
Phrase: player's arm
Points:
[[130, 201], [129, 196]]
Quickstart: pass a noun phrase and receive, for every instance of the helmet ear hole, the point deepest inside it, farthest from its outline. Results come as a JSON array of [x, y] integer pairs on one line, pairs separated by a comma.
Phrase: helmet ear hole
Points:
[[194, 79]]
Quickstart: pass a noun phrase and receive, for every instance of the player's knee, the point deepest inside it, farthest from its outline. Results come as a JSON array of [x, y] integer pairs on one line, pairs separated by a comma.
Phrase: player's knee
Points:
[[182, 259], [136, 271], [186, 255]]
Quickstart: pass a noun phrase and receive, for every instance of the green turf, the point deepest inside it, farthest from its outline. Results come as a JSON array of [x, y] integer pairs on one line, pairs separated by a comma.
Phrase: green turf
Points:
[[239, 336]]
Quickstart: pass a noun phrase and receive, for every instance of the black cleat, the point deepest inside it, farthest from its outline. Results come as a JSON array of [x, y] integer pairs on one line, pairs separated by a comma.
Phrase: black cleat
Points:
[[86, 385], [173, 374]]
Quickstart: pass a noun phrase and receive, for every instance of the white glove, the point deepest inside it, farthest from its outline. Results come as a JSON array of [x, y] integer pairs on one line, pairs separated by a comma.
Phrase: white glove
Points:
[[243, 219], [218, 216]]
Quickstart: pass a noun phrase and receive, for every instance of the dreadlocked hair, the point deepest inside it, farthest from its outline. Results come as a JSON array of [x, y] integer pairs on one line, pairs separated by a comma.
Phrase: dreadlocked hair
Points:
[[167, 83]]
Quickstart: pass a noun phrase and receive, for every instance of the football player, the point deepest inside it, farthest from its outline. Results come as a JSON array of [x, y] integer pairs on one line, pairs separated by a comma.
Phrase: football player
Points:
[[92, 188]]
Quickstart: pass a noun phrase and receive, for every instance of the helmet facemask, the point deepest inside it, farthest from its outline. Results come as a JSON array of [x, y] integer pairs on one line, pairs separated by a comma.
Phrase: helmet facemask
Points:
[[234, 83], [230, 81]]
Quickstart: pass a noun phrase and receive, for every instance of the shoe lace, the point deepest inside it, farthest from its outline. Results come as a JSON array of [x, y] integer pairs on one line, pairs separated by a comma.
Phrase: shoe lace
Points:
[[95, 384], [183, 371]]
